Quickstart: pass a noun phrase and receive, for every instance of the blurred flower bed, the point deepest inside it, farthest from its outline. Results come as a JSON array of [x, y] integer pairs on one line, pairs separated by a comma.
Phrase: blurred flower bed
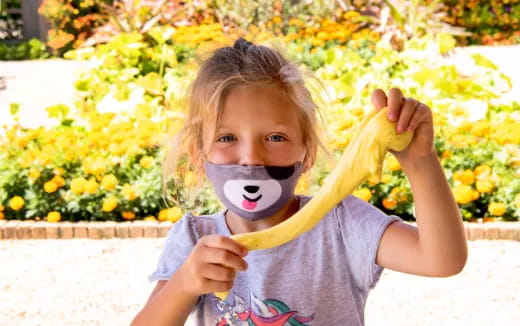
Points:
[[492, 22], [102, 159]]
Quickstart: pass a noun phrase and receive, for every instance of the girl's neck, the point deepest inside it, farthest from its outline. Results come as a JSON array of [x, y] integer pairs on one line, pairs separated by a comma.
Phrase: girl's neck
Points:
[[238, 225]]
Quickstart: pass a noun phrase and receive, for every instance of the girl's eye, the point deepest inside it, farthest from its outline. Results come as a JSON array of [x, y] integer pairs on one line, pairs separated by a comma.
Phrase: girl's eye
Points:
[[225, 139], [276, 138]]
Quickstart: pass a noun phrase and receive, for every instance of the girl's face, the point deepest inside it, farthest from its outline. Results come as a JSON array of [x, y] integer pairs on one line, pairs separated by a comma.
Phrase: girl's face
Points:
[[259, 126]]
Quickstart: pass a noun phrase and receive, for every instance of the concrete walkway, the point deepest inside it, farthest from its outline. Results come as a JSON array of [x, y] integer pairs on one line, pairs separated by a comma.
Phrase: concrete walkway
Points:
[[103, 282], [35, 85]]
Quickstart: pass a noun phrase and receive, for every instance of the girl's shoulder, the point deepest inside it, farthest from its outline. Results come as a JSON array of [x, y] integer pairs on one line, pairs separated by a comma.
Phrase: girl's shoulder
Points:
[[195, 226], [350, 205]]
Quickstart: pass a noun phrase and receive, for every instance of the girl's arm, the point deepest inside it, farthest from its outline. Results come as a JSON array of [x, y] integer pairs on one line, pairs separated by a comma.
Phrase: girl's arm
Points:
[[170, 305], [442, 238], [211, 267], [437, 246]]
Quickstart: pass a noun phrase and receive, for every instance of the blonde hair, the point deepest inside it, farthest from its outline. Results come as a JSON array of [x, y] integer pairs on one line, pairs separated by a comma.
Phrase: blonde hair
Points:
[[233, 66]]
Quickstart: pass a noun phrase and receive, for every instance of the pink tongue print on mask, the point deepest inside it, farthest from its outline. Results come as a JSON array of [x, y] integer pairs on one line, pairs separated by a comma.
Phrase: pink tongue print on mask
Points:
[[249, 205]]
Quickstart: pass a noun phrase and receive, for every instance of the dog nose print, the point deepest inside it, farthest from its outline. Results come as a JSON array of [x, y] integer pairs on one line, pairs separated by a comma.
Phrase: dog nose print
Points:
[[251, 189]]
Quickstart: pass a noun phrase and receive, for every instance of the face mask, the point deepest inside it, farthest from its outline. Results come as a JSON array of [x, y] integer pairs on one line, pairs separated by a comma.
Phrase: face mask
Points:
[[253, 192]]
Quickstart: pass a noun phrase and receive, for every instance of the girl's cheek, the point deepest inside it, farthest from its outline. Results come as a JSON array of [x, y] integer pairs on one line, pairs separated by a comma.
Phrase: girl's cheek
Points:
[[221, 154], [285, 152]]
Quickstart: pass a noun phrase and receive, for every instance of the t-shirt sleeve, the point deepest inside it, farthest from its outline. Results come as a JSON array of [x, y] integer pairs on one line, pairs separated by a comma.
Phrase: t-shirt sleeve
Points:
[[180, 240], [361, 228]]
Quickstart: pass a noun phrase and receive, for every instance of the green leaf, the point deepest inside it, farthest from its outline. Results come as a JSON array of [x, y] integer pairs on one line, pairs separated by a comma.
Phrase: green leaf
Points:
[[481, 60], [14, 108], [395, 14], [446, 42], [59, 111]]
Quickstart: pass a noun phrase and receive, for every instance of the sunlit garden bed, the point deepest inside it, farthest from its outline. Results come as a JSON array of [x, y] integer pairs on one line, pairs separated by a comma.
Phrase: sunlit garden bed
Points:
[[100, 163]]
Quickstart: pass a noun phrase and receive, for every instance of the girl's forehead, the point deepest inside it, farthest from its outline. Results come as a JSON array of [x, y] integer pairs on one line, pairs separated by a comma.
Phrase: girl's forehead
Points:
[[259, 102]]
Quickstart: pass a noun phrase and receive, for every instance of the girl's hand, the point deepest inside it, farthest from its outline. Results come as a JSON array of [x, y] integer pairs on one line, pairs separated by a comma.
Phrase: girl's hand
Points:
[[410, 115], [212, 265]]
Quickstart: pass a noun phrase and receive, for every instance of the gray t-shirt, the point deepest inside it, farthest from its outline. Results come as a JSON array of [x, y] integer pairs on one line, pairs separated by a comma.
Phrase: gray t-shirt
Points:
[[320, 278]]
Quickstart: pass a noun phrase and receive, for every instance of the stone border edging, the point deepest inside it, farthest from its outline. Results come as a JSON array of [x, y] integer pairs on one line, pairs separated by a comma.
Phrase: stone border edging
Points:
[[15, 229]]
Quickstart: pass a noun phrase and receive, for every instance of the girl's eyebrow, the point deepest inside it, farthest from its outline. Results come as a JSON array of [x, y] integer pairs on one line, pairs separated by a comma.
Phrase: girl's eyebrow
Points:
[[281, 125], [220, 127]]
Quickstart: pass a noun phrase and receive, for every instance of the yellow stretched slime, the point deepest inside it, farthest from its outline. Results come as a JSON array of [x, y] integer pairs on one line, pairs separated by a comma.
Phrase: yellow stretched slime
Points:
[[362, 159]]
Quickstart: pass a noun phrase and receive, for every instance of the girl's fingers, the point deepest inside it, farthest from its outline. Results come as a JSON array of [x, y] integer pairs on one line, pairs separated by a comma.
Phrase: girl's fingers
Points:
[[223, 242], [217, 286], [379, 99], [407, 111], [223, 257], [416, 118], [395, 102], [218, 273]]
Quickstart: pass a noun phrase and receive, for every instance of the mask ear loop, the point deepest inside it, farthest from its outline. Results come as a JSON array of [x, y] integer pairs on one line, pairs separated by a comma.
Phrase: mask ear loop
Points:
[[302, 157]]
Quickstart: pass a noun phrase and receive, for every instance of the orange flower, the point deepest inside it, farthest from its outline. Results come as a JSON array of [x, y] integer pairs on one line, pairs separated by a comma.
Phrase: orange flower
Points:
[[127, 215], [389, 203]]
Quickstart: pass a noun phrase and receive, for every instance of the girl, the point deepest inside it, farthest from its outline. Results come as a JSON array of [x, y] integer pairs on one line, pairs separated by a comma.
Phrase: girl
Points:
[[251, 130]]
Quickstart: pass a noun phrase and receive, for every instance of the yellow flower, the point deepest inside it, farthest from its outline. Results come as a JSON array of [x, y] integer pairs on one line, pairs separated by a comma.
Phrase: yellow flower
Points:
[[162, 215], [170, 214], [53, 217], [386, 178], [127, 215], [129, 192], [77, 185], [109, 182], [363, 193], [497, 209], [277, 19], [34, 173], [467, 177], [91, 187], [174, 214], [97, 168], [2, 208], [393, 163], [50, 186], [16, 203], [463, 194], [59, 171], [109, 204], [146, 162], [358, 111], [58, 180], [2, 215], [372, 180], [190, 179], [399, 194], [482, 171], [150, 218], [480, 128], [485, 185]]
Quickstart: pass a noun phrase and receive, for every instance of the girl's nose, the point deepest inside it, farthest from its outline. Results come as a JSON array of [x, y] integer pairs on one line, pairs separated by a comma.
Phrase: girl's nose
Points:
[[251, 153]]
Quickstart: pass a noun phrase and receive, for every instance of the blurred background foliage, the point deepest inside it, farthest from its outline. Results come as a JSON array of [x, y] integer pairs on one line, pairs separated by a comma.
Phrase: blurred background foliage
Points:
[[102, 158]]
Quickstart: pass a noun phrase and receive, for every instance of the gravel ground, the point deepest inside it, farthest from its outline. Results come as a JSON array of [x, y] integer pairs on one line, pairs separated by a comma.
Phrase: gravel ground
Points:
[[103, 282]]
